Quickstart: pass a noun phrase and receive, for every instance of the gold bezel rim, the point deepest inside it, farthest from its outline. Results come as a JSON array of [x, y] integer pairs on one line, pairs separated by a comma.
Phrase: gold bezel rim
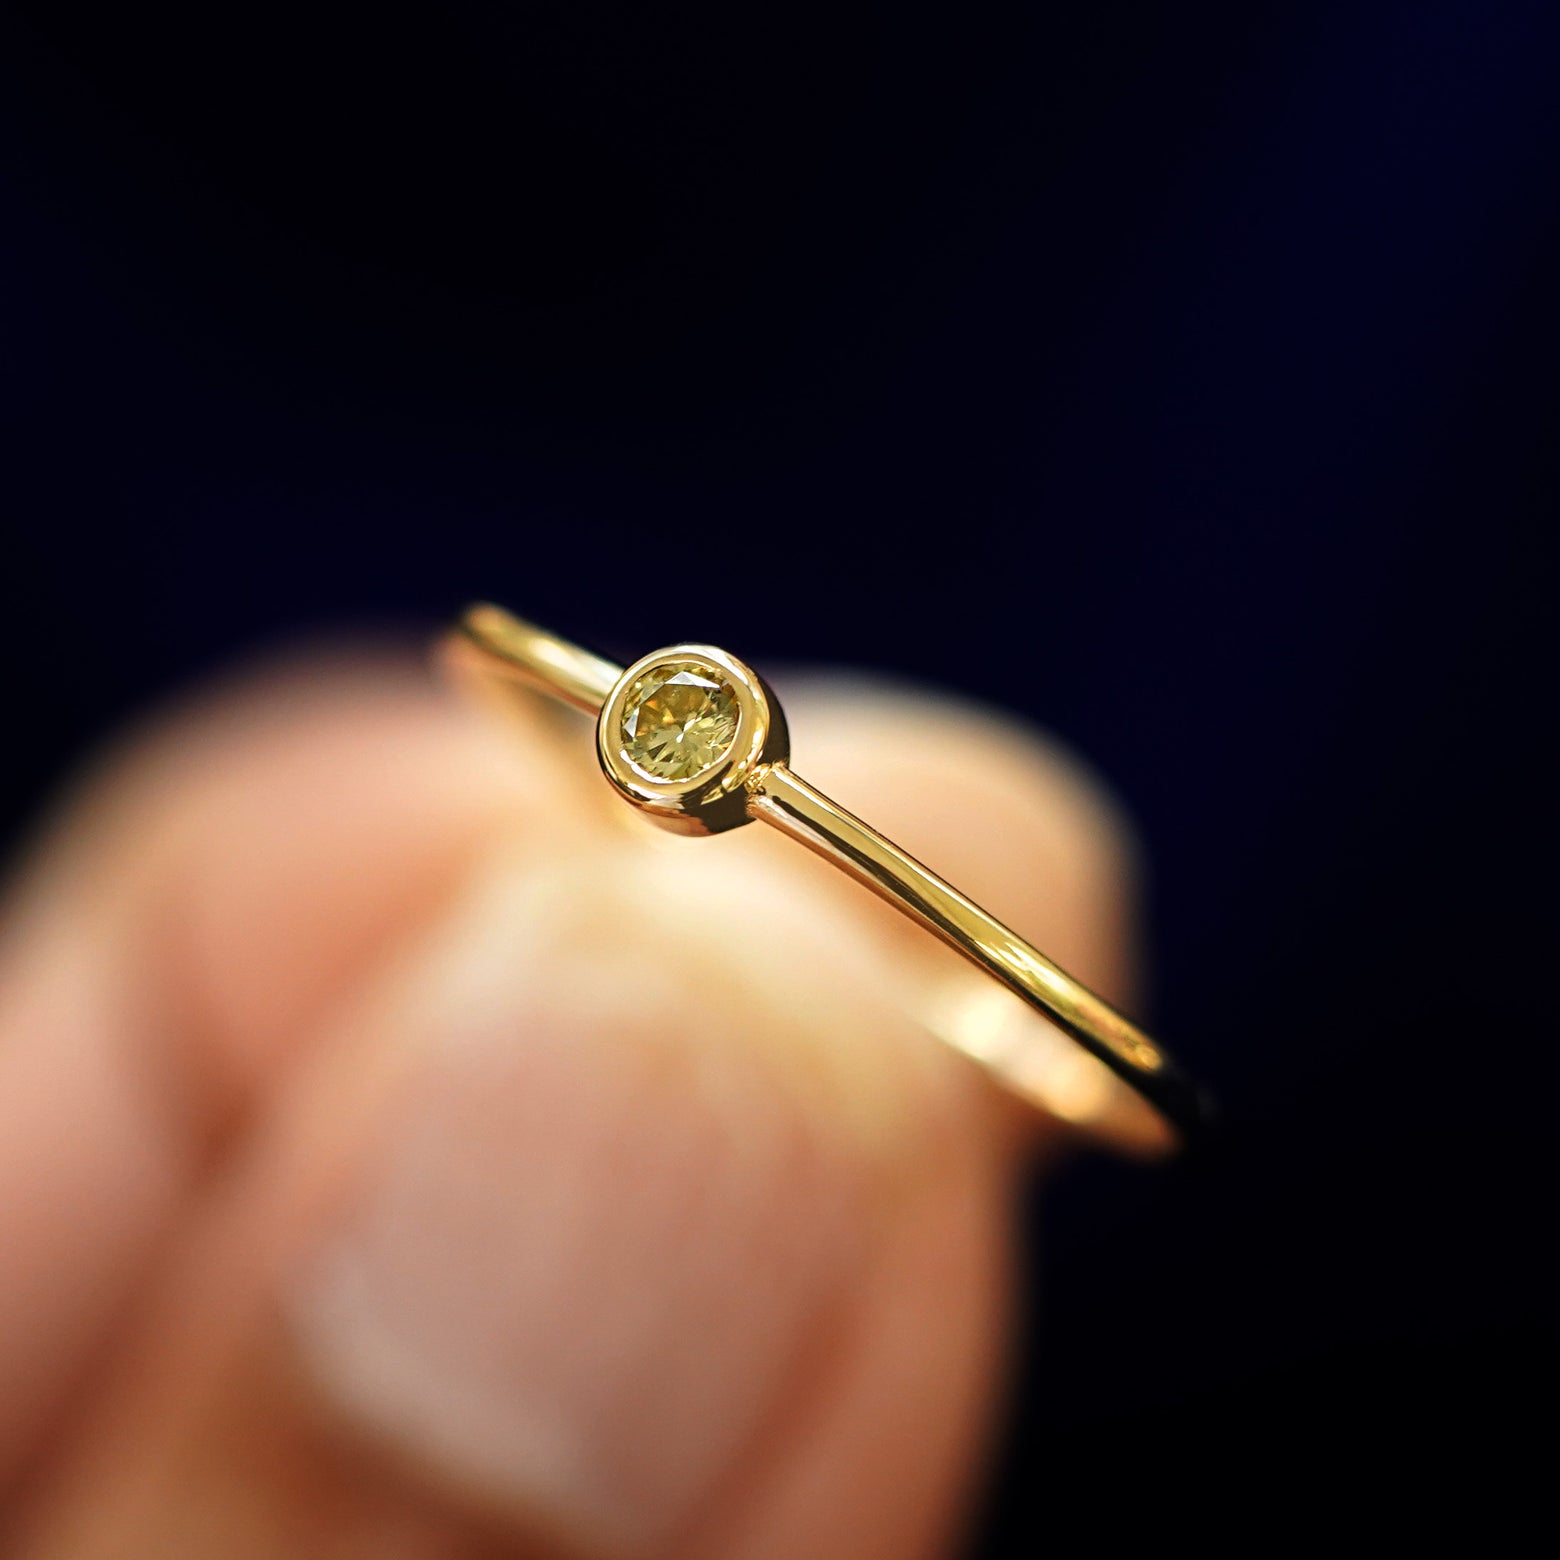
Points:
[[687, 804]]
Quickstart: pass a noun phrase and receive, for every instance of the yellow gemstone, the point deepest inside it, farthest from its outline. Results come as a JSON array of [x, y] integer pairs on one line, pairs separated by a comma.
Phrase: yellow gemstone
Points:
[[679, 720]]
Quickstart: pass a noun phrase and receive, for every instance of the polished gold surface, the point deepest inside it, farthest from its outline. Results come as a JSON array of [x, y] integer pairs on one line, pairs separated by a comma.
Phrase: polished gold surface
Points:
[[513, 651], [1114, 1082]]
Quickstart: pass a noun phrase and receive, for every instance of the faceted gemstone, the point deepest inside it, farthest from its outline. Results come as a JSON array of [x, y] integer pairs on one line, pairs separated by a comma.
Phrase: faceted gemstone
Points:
[[679, 720]]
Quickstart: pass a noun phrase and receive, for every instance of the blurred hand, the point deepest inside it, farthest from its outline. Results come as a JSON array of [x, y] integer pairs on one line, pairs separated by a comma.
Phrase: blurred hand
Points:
[[405, 1151]]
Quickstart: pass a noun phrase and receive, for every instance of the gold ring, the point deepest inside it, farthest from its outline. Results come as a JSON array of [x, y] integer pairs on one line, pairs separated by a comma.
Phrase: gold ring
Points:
[[697, 740]]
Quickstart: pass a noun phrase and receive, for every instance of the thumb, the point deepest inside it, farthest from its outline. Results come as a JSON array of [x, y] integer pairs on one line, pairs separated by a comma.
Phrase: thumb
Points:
[[620, 1213]]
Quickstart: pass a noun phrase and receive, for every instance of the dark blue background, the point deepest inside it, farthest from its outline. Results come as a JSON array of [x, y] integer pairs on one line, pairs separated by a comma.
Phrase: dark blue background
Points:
[[1194, 368]]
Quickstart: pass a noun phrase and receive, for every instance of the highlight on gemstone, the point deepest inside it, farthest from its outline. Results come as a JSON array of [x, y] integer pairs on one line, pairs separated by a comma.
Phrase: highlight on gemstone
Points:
[[680, 718]]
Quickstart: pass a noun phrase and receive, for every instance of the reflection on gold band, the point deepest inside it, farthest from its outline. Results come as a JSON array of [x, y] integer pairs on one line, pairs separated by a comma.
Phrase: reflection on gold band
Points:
[[1113, 1081]]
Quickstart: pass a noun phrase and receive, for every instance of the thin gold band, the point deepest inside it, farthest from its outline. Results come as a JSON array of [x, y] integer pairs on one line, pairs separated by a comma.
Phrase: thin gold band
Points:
[[757, 783]]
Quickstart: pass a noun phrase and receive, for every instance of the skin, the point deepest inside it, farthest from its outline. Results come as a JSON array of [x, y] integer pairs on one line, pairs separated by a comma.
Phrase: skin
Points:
[[406, 1152]]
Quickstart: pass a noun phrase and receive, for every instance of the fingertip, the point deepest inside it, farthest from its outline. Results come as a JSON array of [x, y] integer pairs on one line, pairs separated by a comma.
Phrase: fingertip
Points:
[[633, 1200]]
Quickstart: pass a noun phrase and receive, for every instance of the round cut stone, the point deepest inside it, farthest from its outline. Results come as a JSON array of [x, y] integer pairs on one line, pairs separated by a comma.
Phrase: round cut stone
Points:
[[679, 720]]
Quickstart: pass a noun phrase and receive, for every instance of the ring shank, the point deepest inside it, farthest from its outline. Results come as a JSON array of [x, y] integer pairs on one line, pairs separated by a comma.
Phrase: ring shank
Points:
[[801, 811], [1143, 1103], [496, 645]]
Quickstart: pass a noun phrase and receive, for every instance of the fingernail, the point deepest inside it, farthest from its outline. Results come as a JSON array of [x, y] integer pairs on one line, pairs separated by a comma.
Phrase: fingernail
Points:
[[626, 1187]]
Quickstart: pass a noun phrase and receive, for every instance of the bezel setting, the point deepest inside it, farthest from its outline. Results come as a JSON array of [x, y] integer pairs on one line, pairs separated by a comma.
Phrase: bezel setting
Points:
[[715, 798]]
